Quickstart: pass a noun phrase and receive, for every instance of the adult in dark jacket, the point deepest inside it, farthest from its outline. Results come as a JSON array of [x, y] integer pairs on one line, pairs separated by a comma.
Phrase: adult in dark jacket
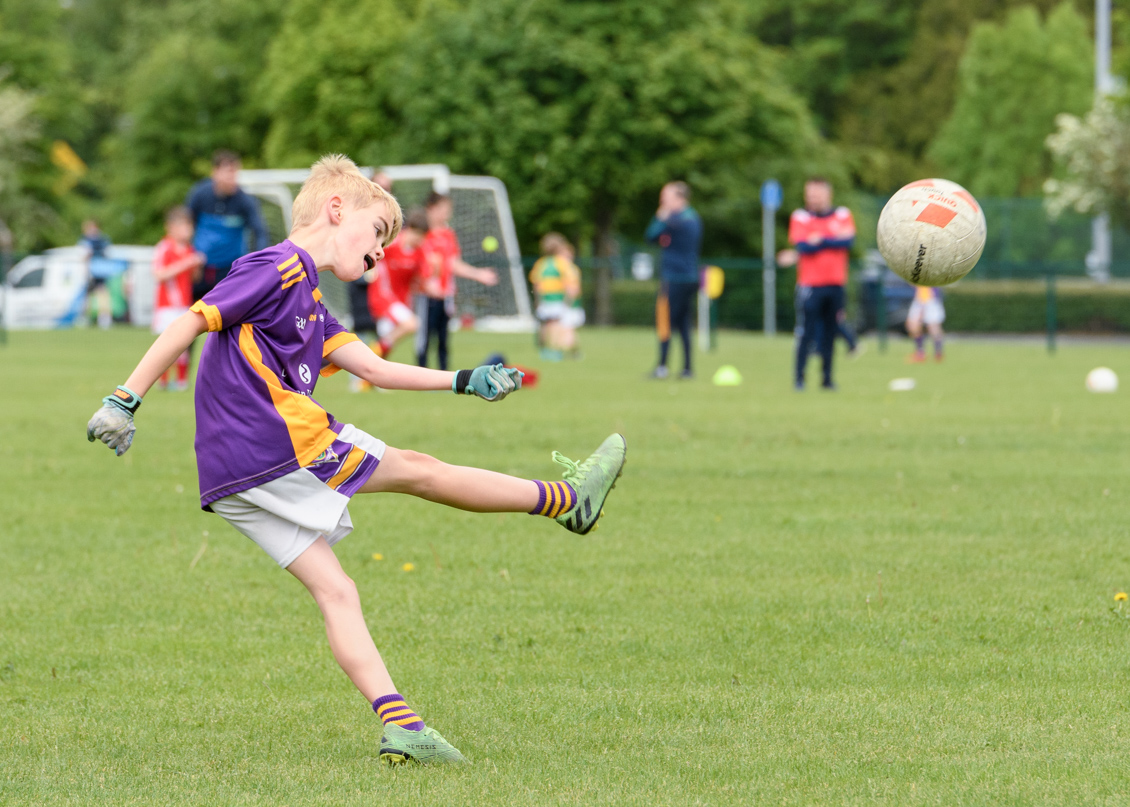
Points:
[[224, 217], [677, 229]]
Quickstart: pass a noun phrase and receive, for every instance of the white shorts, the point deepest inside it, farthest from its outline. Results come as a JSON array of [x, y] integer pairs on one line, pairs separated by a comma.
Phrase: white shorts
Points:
[[397, 314], [163, 318], [574, 317], [286, 515], [931, 313], [552, 312]]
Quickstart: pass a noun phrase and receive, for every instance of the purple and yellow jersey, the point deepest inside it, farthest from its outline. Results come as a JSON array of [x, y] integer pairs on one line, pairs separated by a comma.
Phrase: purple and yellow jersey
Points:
[[255, 419], [925, 294]]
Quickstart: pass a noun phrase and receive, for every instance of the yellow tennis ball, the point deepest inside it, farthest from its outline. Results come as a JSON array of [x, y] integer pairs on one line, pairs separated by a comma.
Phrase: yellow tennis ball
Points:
[[490, 244], [408, 567]]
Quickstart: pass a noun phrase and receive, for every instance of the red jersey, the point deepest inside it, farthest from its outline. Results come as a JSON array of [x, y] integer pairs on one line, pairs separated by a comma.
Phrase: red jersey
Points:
[[441, 242], [397, 278], [175, 292], [826, 265]]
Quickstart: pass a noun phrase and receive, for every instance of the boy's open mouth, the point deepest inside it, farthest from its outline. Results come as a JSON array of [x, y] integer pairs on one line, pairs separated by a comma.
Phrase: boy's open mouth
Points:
[[369, 262]]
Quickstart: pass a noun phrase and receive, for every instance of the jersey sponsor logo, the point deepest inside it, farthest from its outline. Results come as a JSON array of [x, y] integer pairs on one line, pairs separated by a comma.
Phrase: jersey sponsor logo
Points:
[[326, 457], [300, 322], [304, 373]]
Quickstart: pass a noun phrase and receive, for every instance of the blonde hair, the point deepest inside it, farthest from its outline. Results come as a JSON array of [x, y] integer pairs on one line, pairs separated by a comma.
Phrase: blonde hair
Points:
[[554, 244], [337, 174]]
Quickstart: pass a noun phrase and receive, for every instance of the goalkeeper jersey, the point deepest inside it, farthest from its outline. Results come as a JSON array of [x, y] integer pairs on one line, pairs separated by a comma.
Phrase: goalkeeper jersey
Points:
[[270, 332]]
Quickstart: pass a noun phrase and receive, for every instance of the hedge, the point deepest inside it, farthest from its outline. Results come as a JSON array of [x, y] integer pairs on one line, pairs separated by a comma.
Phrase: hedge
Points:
[[1020, 306], [1016, 306], [633, 301]]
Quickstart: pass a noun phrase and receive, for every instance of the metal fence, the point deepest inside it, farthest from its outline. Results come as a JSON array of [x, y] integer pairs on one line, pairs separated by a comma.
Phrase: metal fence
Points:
[[1032, 277], [1023, 241]]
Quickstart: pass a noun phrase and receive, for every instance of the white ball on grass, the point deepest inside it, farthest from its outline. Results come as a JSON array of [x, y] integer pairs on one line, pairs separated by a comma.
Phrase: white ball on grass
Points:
[[1102, 379]]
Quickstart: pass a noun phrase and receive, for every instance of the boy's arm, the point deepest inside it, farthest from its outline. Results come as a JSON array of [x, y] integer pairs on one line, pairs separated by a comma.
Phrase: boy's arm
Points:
[[163, 273], [460, 268], [113, 423], [490, 383], [354, 357], [164, 351]]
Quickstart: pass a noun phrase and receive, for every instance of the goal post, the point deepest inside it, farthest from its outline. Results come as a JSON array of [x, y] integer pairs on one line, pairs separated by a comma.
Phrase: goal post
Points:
[[481, 218]]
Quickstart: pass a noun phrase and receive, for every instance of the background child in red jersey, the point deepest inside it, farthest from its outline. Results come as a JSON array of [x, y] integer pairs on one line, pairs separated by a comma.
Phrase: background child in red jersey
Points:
[[436, 305], [175, 264], [398, 276]]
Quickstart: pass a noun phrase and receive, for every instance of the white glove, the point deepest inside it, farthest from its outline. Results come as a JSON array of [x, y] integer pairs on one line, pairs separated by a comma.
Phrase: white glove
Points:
[[113, 423]]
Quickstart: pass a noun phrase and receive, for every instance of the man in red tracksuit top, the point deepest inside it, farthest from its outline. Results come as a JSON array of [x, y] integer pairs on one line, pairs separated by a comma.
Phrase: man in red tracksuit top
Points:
[[821, 236]]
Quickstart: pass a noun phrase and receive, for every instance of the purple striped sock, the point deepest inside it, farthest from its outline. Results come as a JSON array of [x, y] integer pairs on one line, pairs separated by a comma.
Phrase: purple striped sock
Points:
[[393, 709], [554, 498]]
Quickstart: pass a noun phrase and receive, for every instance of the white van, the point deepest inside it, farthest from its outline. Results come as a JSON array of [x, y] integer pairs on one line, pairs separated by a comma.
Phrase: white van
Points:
[[49, 290]]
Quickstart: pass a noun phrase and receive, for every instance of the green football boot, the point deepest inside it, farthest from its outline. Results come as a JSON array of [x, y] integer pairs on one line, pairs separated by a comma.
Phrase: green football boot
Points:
[[427, 747], [592, 479]]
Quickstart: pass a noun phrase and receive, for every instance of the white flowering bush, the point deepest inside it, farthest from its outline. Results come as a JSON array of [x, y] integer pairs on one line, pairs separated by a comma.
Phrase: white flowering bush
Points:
[[1093, 155]]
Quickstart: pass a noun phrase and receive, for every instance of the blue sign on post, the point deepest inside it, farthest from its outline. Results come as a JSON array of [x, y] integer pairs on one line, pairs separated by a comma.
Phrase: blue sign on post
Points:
[[770, 204], [771, 194]]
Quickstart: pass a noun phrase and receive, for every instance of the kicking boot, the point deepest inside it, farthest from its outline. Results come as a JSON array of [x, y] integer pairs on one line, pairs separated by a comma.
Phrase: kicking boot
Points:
[[427, 747], [592, 479]]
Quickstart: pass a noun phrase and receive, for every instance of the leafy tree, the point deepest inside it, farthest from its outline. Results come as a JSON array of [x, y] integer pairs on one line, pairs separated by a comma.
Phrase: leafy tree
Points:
[[1094, 154], [890, 116], [336, 96], [826, 44], [22, 215], [189, 93], [1014, 79], [587, 108], [37, 71]]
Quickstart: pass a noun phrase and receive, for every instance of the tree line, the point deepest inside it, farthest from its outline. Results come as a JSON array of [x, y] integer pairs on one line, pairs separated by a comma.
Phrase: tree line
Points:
[[583, 107]]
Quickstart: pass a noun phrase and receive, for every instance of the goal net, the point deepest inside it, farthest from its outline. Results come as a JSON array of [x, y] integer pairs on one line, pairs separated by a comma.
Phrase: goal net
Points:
[[481, 219]]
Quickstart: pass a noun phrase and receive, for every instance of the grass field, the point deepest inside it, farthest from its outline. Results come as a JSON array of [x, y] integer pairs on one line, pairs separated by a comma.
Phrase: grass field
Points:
[[854, 598]]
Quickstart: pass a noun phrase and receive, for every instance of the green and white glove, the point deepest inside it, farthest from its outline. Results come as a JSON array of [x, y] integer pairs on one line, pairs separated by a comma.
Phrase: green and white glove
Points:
[[489, 382], [113, 423]]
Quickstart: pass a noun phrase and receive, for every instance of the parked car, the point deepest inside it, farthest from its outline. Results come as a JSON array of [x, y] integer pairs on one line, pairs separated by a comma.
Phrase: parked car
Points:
[[49, 290], [879, 283]]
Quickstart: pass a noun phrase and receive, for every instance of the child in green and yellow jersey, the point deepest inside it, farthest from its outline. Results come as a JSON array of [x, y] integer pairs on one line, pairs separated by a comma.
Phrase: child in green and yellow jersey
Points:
[[557, 287]]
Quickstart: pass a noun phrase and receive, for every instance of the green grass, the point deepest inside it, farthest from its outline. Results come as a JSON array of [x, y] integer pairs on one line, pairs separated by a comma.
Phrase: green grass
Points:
[[721, 640]]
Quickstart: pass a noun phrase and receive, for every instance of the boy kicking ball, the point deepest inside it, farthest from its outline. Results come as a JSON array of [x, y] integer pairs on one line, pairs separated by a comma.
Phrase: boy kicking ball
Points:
[[281, 470]]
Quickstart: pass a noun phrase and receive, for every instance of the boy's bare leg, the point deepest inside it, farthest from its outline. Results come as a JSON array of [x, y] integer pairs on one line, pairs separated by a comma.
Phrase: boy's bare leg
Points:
[[337, 598], [472, 489]]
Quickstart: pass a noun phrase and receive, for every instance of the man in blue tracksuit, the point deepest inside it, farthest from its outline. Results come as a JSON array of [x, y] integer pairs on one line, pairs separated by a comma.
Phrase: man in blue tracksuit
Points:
[[677, 229], [223, 214]]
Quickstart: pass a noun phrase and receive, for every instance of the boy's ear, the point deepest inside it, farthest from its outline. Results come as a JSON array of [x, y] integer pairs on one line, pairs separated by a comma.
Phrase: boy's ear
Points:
[[334, 207]]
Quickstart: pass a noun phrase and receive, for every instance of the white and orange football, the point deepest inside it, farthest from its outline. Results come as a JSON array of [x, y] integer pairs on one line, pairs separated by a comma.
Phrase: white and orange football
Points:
[[931, 232]]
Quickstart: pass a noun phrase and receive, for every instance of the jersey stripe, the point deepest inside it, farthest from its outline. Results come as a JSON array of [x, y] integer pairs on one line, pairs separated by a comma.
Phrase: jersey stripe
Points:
[[291, 273], [334, 342], [348, 466], [290, 283], [307, 423], [282, 267], [211, 314]]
